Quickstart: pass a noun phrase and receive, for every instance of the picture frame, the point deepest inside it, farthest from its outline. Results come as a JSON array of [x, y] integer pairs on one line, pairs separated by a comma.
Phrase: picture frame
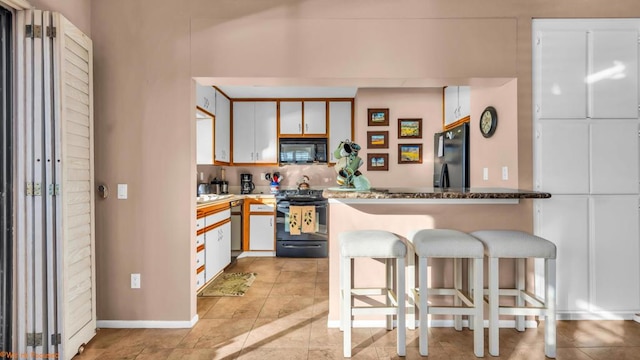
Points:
[[377, 139], [409, 128], [378, 117], [409, 153], [377, 162]]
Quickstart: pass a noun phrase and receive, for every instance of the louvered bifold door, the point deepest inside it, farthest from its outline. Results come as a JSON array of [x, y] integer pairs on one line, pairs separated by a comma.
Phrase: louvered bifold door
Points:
[[55, 220]]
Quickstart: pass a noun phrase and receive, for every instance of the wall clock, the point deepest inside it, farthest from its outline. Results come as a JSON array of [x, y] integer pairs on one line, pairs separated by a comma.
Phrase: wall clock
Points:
[[488, 121]]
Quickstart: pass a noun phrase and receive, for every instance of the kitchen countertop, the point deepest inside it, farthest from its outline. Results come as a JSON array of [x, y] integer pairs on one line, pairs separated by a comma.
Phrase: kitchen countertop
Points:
[[218, 199], [451, 195]]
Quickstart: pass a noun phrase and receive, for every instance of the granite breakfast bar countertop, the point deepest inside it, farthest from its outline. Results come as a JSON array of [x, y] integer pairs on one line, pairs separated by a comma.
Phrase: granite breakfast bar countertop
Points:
[[432, 195]]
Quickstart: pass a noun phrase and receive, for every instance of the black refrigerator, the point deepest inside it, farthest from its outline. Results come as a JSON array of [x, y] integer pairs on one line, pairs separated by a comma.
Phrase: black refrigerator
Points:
[[451, 158]]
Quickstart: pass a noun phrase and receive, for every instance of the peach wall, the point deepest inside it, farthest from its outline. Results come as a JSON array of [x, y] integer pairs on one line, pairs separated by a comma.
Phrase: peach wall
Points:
[[146, 52]]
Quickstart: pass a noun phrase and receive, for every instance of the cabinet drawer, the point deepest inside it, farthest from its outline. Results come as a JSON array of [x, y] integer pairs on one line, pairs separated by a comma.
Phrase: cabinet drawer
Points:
[[217, 217], [261, 207], [199, 280], [200, 223], [200, 240], [199, 258]]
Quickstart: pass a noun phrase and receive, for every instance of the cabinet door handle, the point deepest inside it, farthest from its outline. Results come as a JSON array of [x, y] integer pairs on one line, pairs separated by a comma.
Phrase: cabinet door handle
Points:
[[299, 127], [306, 127], [270, 222]]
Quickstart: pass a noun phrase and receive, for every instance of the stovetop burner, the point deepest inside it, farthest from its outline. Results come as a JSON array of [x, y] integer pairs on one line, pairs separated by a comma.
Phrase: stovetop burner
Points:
[[301, 194]]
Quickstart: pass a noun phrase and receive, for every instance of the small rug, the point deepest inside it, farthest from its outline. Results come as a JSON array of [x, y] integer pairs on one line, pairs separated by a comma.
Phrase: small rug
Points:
[[231, 284]]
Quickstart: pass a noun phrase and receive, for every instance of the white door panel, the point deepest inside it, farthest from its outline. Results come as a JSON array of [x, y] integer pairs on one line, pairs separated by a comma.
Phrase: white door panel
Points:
[[563, 64], [564, 157], [614, 157], [613, 74], [243, 131], [315, 117], [266, 131], [339, 125], [291, 117]]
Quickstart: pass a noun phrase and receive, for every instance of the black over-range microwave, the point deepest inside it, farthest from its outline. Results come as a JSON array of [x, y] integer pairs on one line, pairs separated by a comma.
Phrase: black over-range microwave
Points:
[[303, 150]]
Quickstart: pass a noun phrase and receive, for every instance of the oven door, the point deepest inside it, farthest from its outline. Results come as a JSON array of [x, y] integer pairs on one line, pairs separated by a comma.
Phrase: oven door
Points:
[[306, 244]]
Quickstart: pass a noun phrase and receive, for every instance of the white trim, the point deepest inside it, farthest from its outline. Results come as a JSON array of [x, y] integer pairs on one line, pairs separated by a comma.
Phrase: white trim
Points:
[[530, 324], [257, 254], [598, 316], [413, 201], [16, 4], [146, 324], [636, 318]]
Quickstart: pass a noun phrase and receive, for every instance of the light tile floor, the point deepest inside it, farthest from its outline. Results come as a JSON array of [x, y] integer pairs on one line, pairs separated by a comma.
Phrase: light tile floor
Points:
[[283, 316]]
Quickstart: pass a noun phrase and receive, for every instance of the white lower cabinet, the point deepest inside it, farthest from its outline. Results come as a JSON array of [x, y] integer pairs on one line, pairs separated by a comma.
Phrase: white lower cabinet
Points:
[[261, 232], [218, 249], [598, 243]]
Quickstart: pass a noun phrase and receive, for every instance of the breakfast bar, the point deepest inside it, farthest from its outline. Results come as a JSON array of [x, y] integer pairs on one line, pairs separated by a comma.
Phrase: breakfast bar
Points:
[[401, 210]]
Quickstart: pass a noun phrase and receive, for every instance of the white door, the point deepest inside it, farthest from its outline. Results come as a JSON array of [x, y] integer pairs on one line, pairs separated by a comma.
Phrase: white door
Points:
[[562, 63], [56, 268], [450, 104], [266, 132], [210, 248], [223, 255], [464, 101], [613, 74], [340, 124], [223, 129], [563, 220], [204, 138], [261, 235], [616, 248], [615, 159], [315, 117], [562, 157], [243, 131], [206, 98], [291, 117]]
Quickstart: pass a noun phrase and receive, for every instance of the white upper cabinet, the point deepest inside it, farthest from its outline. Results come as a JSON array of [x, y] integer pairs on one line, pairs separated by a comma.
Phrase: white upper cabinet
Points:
[[266, 132], [223, 129], [562, 69], [206, 98], [615, 159], [587, 74], [243, 132], [290, 117], [303, 118], [204, 138], [255, 137], [340, 125], [457, 104], [315, 117], [613, 74]]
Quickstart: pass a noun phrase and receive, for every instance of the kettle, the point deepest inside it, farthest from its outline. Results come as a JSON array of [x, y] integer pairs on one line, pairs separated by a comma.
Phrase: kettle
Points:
[[203, 188]]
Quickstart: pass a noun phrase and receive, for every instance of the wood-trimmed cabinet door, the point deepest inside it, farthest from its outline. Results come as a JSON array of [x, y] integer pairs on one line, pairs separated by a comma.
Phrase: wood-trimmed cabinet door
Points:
[[261, 232], [340, 124]]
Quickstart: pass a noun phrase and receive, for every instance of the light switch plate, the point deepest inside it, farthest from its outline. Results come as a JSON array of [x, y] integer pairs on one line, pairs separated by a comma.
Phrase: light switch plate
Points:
[[485, 173], [135, 281], [122, 191], [505, 173]]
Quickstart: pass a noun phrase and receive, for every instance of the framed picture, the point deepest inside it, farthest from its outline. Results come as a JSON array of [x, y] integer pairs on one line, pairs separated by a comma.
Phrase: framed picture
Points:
[[409, 128], [377, 139], [378, 117], [377, 162], [409, 153]]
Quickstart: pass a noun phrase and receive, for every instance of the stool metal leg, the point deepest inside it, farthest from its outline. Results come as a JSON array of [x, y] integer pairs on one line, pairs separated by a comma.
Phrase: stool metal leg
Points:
[[520, 275], [478, 335], [388, 266], [550, 303], [494, 315], [457, 284], [401, 316], [423, 308], [346, 305]]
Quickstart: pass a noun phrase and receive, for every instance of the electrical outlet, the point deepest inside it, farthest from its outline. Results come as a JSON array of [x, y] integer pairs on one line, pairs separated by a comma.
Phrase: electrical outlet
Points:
[[505, 173], [122, 191], [485, 173], [135, 281]]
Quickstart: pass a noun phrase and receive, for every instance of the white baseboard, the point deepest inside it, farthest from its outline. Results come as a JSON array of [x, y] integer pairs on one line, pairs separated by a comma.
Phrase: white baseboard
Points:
[[636, 318], [146, 324], [257, 254], [598, 316], [432, 323]]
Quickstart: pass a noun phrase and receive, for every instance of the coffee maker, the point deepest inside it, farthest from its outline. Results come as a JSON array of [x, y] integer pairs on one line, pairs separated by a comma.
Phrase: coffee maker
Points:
[[246, 183]]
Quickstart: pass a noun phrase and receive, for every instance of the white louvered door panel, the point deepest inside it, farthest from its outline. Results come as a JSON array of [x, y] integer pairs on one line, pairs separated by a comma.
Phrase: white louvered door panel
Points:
[[55, 220], [74, 105]]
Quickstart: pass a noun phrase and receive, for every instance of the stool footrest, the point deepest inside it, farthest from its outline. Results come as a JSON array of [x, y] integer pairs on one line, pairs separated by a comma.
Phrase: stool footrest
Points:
[[526, 296], [451, 310], [446, 292], [374, 310], [522, 311]]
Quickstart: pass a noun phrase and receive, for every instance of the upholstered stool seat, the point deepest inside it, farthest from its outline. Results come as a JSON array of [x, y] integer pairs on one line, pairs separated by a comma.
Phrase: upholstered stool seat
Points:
[[444, 243], [520, 245], [380, 245]]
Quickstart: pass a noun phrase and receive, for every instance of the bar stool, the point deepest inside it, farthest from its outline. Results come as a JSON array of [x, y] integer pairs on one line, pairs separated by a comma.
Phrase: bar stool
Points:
[[444, 243], [373, 244], [520, 245]]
